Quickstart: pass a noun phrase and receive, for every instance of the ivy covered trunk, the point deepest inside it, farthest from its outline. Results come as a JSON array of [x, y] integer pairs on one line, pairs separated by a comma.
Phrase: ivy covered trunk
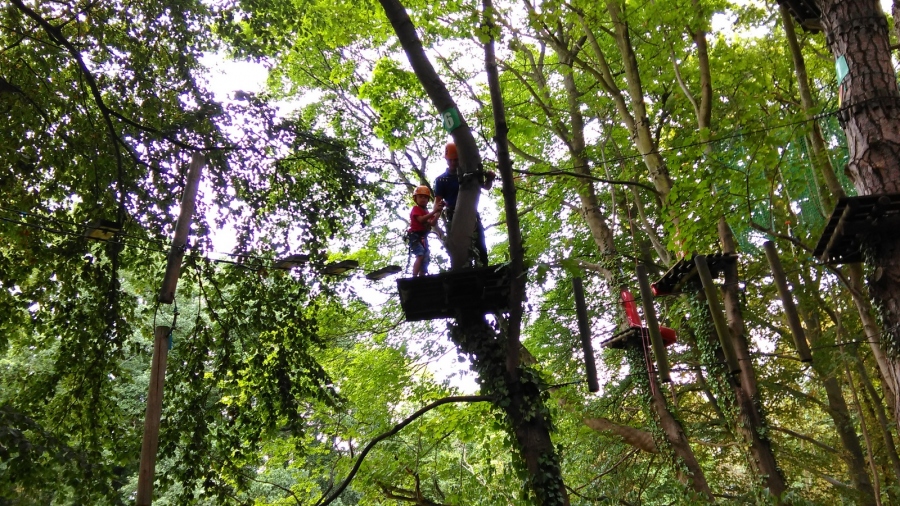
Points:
[[752, 423], [857, 31], [513, 388], [683, 459]]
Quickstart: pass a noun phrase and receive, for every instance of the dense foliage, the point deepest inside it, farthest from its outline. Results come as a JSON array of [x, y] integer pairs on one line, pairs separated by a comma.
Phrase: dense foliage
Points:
[[637, 130]]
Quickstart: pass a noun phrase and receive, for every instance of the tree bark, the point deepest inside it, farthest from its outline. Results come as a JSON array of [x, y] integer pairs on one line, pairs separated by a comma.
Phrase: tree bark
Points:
[[857, 31], [822, 161], [752, 425], [837, 405], [496, 360]]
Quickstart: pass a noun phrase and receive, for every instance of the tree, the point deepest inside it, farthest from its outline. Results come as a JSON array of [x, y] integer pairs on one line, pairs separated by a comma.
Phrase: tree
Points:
[[870, 95]]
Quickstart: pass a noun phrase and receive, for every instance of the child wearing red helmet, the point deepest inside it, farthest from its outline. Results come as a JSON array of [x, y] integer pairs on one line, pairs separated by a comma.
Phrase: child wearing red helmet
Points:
[[420, 223]]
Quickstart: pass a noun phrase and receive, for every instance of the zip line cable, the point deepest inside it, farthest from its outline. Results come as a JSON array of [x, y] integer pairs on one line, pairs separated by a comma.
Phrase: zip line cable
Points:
[[728, 136]]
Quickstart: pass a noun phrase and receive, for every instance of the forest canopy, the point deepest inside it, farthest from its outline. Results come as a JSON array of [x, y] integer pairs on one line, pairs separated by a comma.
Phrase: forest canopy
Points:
[[663, 140]]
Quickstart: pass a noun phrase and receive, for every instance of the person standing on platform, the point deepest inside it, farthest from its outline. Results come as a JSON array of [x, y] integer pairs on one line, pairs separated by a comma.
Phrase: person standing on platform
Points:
[[420, 223], [446, 189]]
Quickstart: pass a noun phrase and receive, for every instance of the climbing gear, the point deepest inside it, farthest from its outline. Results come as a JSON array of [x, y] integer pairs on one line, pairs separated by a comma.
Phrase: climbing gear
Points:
[[450, 152], [422, 190]]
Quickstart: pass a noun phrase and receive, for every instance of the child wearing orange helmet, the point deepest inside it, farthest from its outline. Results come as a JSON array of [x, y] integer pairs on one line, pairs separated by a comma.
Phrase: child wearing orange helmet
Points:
[[420, 223]]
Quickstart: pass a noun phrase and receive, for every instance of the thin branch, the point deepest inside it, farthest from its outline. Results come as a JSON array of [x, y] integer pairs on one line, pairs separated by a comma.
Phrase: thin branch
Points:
[[558, 172], [397, 428], [57, 35], [805, 438]]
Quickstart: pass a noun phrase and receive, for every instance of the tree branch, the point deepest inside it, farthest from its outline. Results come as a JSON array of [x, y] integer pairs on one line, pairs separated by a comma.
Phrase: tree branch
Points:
[[397, 428]]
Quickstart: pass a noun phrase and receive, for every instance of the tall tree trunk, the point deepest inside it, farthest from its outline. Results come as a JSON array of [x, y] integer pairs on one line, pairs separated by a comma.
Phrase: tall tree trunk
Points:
[[590, 207], [837, 405], [643, 137], [890, 372], [820, 158], [856, 30], [753, 424], [864, 427], [822, 161], [501, 374], [878, 408], [672, 429]]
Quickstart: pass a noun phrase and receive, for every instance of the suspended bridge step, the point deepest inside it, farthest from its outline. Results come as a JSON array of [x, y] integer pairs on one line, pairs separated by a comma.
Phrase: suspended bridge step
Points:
[[683, 275], [853, 221], [480, 290]]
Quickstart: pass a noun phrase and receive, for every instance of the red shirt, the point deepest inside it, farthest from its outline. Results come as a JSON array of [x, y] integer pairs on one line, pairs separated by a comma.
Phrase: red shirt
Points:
[[414, 224]]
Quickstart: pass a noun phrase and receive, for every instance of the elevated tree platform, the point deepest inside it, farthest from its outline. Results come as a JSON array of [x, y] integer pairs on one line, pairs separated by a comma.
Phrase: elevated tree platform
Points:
[[635, 334], [630, 337], [683, 275], [805, 12], [854, 222], [480, 290], [636, 337]]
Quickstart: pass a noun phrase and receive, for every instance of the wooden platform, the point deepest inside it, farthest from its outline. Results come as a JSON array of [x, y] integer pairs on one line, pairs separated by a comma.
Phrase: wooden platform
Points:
[[853, 222], [480, 290], [805, 12], [683, 275], [630, 337]]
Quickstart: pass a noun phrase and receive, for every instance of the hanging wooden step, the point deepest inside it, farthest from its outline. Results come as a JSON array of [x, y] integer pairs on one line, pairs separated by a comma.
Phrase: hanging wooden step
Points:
[[481, 290], [853, 221], [683, 275]]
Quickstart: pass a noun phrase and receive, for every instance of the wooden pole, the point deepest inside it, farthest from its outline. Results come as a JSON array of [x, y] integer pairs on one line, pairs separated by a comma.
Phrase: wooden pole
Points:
[[182, 228], [154, 412], [659, 349], [712, 299], [584, 328], [790, 310], [161, 335]]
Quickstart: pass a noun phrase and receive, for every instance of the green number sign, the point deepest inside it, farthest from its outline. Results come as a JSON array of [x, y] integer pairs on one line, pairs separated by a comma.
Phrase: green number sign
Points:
[[841, 68], [450, 119]]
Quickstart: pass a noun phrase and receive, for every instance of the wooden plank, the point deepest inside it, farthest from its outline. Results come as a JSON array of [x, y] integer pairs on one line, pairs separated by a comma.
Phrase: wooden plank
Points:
[[659, 349], [150, 442], [712, 299], [584, 328], [787, 302]]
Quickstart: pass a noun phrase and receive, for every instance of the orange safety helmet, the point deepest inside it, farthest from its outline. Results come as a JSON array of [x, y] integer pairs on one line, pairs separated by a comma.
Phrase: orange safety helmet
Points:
[[450, 152], [422, 190]]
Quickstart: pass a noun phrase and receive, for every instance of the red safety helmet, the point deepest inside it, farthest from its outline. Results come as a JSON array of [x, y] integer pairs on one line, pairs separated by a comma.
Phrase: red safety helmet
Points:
[[450, 152]]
